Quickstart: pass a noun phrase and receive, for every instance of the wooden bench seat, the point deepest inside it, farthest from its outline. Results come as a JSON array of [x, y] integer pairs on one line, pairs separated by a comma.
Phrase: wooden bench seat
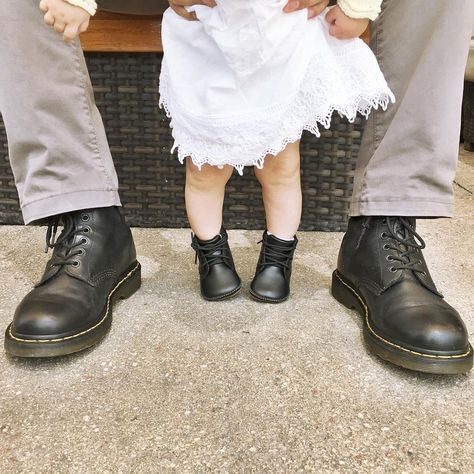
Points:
[[123, 33]]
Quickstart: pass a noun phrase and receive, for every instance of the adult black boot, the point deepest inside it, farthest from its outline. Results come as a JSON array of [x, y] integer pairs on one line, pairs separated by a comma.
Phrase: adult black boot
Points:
[[93, 265], [219, 280], [271, 283], [382, 274]]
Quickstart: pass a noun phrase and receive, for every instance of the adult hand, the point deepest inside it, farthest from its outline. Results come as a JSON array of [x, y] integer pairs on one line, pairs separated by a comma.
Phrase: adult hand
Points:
[[179, 6], [315, 7]]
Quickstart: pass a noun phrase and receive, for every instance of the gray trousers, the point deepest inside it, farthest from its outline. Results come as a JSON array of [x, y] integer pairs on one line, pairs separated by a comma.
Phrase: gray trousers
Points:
[[61, 160]]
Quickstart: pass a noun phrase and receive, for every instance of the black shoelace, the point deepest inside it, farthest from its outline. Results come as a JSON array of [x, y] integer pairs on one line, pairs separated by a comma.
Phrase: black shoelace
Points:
[[63, 246], [406, 242], [278, 255], [211, 252]]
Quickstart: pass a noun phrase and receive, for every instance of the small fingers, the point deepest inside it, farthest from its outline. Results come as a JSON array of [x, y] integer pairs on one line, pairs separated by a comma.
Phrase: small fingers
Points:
[[313, 12], [83, 26], [43, 6], [49, 18], [336, 31], [70, 32], [59, 27], [181, 11], [291, 6], [331, 16]]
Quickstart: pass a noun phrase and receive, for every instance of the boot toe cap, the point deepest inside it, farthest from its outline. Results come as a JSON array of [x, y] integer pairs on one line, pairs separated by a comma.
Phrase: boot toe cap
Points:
[[436, 329], [39, 319], [270, 284], [220, 282]]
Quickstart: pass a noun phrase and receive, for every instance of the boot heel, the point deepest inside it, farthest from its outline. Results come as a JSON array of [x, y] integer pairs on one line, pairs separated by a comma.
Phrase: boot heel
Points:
[[343, 293], [130, 284]]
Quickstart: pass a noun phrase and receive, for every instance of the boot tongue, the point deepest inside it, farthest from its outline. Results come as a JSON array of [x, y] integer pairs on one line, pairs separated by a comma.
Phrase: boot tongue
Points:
[[212, 241], [210, 252], [61, 249], [401, 230], [279, 254], [407, 235], [215, 241], [279, 241]]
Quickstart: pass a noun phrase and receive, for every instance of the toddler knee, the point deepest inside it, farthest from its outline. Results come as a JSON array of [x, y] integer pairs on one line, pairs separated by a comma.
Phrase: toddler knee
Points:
[[205, 178], [278, 173]]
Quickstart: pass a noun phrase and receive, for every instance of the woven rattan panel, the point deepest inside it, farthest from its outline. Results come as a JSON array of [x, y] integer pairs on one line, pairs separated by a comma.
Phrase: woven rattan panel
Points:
[[152, 180]]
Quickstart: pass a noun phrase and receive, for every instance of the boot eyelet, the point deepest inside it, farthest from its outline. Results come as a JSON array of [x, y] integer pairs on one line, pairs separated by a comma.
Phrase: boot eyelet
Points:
[[86, 230], [384, 235], [76, 263], [385, 247], [81, 252], [85, 217], [393, 269], [83, 241], [389, 258]]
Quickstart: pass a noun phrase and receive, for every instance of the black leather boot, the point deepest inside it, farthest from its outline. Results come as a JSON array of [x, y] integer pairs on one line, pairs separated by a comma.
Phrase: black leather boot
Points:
[[219, 280], [382, 274], [93, 265], [271, 283]]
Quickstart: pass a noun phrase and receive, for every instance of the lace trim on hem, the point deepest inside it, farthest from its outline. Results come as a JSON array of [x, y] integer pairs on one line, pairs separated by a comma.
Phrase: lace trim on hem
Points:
[[363, 105]]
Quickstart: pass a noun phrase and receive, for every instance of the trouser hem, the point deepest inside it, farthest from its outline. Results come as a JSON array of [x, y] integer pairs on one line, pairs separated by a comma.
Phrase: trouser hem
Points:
[[401, 208], [74, 201]]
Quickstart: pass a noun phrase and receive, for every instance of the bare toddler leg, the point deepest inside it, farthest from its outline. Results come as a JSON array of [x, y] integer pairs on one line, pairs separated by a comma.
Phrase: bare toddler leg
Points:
[[281, 188]]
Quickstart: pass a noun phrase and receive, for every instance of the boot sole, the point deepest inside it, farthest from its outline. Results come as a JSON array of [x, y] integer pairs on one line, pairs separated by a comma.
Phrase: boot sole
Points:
[[227, 296], [128, 284], [263, 299], [343, 292]]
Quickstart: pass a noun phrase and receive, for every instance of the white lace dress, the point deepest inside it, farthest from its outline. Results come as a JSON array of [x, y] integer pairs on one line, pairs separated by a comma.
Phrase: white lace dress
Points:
[[247, 79]]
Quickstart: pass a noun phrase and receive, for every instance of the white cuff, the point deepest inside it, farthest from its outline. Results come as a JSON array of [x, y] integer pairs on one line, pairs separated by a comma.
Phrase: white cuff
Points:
[[361, 8], [90, 6]]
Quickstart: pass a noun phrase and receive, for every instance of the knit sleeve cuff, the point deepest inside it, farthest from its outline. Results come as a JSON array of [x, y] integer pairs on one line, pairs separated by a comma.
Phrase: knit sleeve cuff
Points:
[[90, 6], [361, 8]]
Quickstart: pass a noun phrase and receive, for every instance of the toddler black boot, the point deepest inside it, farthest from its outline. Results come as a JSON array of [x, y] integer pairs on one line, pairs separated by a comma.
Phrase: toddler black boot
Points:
[[271, 283], [219, 280]]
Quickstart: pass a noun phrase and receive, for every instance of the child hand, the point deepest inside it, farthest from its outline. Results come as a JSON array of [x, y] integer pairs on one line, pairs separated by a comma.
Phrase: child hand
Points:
[[344, 27], [67, 19]]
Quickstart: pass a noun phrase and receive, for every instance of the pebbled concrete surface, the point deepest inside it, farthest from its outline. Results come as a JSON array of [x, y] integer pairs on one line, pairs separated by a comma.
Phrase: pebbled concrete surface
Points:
[[181, 385]]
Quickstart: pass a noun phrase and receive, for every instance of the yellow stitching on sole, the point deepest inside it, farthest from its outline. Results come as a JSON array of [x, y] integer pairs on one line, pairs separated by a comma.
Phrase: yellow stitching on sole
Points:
[[43, 341], [366, 310]]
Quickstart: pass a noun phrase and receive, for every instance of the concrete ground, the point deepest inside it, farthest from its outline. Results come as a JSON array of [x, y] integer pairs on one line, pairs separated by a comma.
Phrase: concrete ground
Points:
[[181, 385]]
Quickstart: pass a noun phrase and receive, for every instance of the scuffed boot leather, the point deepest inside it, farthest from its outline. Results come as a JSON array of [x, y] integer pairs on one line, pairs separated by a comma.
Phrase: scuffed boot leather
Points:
[[382, 274], [218, 277], [93, 265], [271, 283]]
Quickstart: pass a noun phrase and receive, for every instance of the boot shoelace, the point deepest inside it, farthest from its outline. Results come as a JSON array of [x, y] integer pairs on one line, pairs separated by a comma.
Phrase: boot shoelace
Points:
[[277, 255], [406, 242], [63, 245], [212, 253]]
